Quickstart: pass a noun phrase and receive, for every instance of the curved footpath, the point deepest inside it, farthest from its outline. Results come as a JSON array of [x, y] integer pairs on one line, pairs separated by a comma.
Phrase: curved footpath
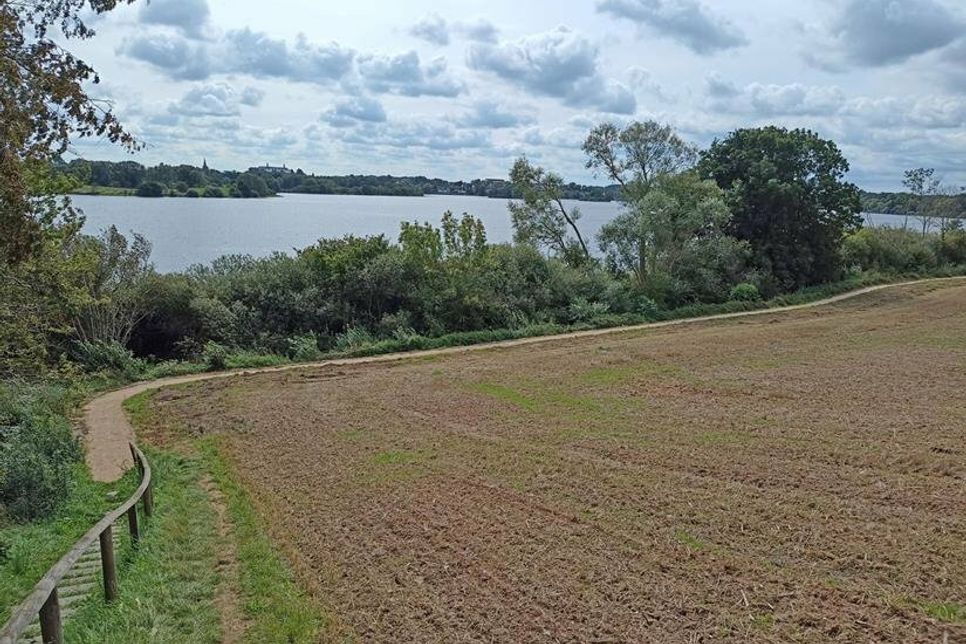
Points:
[[109, 432]]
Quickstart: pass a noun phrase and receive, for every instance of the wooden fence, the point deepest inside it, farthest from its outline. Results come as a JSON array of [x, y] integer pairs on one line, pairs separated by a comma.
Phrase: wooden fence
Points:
[[43, 601]]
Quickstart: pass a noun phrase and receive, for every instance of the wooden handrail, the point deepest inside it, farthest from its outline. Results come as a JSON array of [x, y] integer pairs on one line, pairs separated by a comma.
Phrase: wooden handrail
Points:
[[43, 600]]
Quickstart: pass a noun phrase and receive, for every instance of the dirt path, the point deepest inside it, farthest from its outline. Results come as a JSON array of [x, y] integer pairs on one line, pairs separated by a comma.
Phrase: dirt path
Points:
[[108, 431], [226, 599]]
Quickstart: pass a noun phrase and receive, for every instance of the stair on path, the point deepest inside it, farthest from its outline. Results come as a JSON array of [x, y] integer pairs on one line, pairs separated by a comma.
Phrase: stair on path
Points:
[[76, 586]]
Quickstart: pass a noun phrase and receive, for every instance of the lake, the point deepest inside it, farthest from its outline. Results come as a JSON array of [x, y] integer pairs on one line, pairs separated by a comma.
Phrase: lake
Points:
[[191, 231]]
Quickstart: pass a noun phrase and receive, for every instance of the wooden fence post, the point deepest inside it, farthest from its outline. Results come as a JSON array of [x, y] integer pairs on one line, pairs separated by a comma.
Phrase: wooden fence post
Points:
[[132, 523], [107, 564], [51, 631], [148, 500]]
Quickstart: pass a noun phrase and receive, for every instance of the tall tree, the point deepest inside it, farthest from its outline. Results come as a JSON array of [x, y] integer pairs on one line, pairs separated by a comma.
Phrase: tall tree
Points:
[[638, 154], [789, 199], [114, 286], [676, 232], [540, 217], [928, 190], [44, 104]]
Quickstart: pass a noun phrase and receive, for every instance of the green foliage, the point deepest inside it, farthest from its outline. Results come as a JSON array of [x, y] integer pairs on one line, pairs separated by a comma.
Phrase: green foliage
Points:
[[889, 250], [581, 310], [109, 356], [637, 155], [38, 450], [646, 308], [44, 102], [907, 203], [112, 287], [215, 356], [950, 612], [789, 200], [168, 585], [353, 338], [671, 241], [540, 217], [952, 246], [304, 348], [31, 548], [251, 185], [744, 292], [150, 189], [118, 178]]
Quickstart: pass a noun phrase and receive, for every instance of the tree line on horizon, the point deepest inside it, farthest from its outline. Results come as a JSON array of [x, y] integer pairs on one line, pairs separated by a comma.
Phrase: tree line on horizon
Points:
[[184, 180], [163, 180]]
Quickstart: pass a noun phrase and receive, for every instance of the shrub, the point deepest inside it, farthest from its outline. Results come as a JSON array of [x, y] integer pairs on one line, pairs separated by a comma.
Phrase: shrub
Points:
[[109, 356], [304, 348], [952, 248], [150, 189], [744, 292], [38, 451], [890, 250], [215, 356], [581, 310], [353, 338]]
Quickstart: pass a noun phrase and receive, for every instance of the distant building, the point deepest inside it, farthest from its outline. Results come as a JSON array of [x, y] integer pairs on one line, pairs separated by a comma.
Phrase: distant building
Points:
[[271, 169]]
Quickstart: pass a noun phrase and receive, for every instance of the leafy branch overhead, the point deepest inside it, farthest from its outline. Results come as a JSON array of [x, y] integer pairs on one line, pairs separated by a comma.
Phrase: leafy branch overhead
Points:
[[44, 105]]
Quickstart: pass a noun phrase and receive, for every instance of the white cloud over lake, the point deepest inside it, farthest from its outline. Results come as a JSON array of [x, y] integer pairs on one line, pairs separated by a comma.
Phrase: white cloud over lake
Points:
[[458, 89]]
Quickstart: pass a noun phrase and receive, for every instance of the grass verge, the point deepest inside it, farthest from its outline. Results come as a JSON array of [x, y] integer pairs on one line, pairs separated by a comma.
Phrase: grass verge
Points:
[[169, 586], [166, 589], [277, 608], [27, 551]]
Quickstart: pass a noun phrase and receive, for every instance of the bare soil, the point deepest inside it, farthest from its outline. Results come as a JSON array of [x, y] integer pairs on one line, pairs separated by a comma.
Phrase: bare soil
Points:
[[789, 477]]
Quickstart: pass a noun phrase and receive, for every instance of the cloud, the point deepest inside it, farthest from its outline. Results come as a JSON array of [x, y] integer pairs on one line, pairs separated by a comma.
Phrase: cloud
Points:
[[252, 96], [405, 75], [771, 100], [718, 87], [176, 56], [209, 101], [875, 33], [241, 51], [257, 54], [953, 66], [479, 30], [426, 134], [433, 29], [686, 21], [794, 99], [189, 16], [217, 99], [558, 63], [926, 112], [643, 80], [493, 115], [207, 133], [355, 110]]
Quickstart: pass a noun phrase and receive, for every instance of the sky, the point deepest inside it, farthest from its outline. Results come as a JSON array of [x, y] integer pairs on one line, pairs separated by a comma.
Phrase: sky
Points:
[[458, 90]]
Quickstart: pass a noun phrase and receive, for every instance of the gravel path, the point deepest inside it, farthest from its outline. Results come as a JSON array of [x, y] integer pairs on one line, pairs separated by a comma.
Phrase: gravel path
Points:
[[108, 431]]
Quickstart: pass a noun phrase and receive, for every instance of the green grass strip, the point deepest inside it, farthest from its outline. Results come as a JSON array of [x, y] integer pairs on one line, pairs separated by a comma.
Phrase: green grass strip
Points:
[[279, 610]]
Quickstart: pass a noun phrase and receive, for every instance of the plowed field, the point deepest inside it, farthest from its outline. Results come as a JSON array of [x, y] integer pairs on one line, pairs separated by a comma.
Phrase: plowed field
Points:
[[790, 477]]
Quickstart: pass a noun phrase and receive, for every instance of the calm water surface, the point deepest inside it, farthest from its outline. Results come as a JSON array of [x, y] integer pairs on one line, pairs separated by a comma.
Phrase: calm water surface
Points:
[[191, 231]]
